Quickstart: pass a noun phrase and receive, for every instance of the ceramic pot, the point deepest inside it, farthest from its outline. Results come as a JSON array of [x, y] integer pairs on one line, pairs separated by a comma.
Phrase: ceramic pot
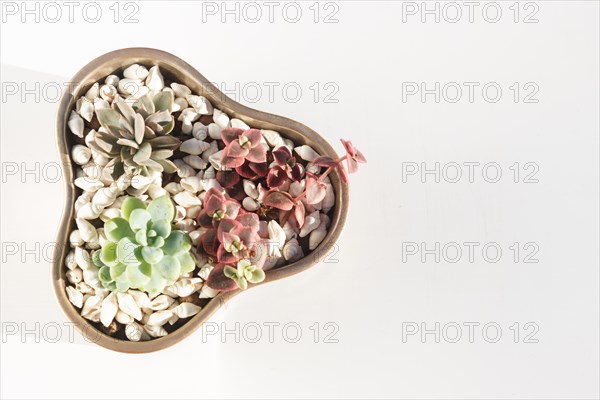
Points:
[[175, 69]]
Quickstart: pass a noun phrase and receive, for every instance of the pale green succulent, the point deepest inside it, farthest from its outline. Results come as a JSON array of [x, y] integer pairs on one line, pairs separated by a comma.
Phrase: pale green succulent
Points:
[[244, 273], [136, 138], [143, 251]]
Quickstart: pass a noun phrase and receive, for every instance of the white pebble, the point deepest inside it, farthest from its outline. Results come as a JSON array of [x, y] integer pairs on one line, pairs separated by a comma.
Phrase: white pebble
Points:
[[194, 146], [180, 90], [200, 104], [74, 276], [76, 124], [186, 199], [135, 71], [155, 80], [75, 296], [186, 310], [220, 118], [159, 318], [306, 153], [238, 123]]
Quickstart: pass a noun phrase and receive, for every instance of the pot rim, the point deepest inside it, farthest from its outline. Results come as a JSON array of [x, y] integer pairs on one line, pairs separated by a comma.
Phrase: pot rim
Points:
[[188, 75]]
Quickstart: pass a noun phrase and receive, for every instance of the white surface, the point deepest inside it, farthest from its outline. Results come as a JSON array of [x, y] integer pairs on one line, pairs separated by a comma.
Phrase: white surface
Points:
[[369, 293]]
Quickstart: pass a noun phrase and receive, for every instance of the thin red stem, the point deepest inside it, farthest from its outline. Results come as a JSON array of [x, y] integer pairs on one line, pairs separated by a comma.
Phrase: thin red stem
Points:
[[328, 171]]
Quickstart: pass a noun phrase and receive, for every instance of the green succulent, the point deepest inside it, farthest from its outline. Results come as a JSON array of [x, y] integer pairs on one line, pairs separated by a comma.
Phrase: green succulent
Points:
[[143, 251], [136, 138], [244, 273]]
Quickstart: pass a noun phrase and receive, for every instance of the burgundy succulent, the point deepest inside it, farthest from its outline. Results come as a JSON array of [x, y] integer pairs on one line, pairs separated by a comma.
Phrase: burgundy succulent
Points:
[[242, 145], [286, 167], [252, 170], [228, 179], [217, 279]]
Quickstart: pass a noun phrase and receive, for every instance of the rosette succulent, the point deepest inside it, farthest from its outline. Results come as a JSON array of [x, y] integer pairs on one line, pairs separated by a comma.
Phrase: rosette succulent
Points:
[[244, 273], [143, 251], [241, 146], [136, 138], [285, 166]]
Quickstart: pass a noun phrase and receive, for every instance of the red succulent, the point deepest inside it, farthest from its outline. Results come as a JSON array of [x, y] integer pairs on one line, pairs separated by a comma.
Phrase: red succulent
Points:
[[242, 145], [286, 167]]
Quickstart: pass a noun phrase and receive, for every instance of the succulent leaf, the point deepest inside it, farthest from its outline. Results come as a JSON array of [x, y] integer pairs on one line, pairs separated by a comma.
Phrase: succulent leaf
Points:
[[136, 275], [162, 227], [130, 204], [138, 219], [116, 229], [108, 254], [177, 242], [161, 209], [152, 255], [163, 101], [169, 267], [126, 252]]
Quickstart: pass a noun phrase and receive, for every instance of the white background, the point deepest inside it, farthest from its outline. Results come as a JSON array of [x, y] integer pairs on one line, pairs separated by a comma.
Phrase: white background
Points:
[[366, 289]]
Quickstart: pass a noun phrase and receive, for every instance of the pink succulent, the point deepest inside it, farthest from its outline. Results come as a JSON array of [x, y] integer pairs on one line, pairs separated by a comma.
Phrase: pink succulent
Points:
[[286, 167], [241, 146], [238, 238], [353, 156], [232, 241], [316, 189], [217, 206], [285, 202]]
